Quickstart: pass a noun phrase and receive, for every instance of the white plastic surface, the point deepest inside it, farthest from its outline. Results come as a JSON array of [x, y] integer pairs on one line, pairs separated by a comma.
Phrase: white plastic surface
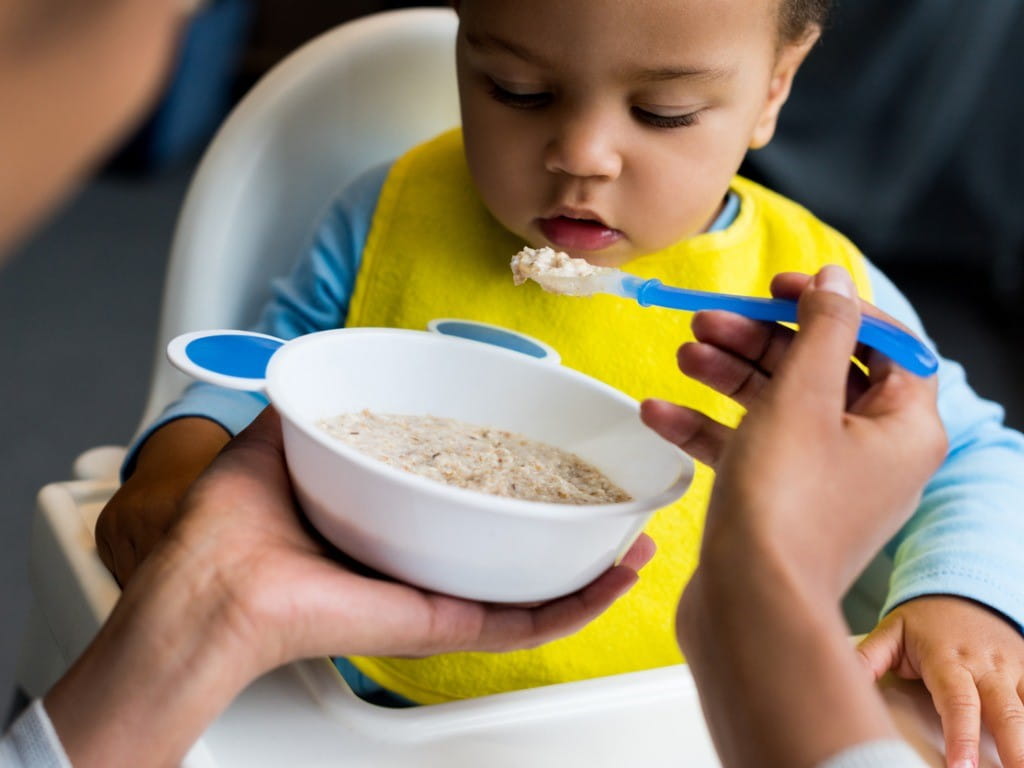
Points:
[[449, 539], [355, 97], [438, 325]]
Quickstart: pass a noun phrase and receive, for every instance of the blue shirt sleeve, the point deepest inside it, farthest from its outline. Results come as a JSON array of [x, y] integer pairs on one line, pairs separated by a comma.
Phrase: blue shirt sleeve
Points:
[[314, 297], [965, 537]]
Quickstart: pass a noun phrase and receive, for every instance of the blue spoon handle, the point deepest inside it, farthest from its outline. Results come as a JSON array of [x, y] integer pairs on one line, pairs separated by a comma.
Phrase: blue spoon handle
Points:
[[893, 342]]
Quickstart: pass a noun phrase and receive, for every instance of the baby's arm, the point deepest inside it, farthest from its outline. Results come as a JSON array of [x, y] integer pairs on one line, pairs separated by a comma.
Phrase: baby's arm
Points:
[[164, 461], [146, 504]]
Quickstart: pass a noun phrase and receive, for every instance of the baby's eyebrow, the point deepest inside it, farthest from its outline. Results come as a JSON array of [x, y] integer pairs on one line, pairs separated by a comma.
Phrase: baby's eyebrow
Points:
[[491, 41], [682, 73]]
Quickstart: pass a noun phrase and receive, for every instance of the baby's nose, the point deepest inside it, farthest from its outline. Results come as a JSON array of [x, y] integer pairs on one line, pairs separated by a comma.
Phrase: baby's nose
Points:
[[584, 146]]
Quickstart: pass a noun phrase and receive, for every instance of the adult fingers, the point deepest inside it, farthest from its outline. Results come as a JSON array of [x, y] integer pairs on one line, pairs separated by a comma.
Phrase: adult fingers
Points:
[[699, 435], [640, 553], [817, 365], [889, 390], [789, 285], [255, 455], [763, 344], [735, 377], [1003, 713], [955, 695], [262, 437], [454, 624], [510, 628]]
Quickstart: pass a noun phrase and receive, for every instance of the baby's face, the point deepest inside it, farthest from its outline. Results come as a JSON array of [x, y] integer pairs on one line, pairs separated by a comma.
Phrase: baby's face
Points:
[[611, 129]]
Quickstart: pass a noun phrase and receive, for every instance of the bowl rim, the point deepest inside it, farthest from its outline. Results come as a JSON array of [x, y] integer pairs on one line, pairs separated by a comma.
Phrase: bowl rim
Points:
[[495, 504]]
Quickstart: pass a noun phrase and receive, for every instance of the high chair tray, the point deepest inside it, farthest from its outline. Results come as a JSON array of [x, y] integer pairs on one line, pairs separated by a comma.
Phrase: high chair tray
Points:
[[305, 715]]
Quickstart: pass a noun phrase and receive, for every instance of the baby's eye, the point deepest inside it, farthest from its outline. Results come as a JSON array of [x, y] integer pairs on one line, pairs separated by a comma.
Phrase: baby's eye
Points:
[[666, 121], [518, 100]]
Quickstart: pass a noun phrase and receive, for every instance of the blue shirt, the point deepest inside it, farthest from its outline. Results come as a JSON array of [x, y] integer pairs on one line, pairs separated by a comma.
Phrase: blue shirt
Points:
[[964, 539]]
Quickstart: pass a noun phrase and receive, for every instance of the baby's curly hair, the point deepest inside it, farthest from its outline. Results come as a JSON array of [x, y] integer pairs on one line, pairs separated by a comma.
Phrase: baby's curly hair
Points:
[[797, 16]]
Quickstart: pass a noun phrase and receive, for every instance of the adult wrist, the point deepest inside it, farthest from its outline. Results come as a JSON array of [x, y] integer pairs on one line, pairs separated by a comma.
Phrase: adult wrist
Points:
[[165, 664], [737, 570], [750, 622]]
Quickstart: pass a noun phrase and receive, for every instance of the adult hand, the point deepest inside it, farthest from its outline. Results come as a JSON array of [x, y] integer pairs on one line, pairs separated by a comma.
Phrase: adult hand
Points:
[[821, 437], [286, 582], [823, 468], [241, 585]]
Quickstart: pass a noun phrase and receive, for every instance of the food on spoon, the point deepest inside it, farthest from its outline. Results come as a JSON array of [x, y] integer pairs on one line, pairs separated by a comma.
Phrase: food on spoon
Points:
[[556, 271]]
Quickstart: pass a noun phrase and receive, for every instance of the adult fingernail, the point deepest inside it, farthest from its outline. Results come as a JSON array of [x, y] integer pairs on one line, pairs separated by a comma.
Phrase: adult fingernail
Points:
[[964, 764], [835, 279]]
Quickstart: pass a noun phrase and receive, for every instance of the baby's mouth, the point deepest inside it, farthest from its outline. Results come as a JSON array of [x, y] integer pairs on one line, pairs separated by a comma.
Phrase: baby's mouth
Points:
[[578, 234]]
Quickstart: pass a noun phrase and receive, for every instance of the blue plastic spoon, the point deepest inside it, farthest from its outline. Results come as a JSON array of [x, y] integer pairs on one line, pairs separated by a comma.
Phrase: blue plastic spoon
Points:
[[900, 346]]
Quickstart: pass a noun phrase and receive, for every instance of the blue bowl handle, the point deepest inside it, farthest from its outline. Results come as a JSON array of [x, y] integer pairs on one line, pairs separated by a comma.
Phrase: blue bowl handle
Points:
[[233, 359]]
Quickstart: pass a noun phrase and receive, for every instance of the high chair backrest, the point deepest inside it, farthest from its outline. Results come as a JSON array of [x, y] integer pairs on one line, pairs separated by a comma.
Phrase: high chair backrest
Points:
[[353, 97]]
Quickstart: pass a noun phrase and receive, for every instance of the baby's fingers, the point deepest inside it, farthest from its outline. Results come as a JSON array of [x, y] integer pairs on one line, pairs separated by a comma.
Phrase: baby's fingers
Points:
[[1003, 713], [955, 695], [882, 650]]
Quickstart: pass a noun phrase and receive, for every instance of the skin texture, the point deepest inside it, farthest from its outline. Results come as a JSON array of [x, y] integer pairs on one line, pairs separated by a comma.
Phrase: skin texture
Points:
[[970, 658], [780, 561], [240, 586], [559, 117]]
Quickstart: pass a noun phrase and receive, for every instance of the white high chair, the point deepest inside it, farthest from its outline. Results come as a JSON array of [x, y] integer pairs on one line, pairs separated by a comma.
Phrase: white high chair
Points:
[[355, 96]]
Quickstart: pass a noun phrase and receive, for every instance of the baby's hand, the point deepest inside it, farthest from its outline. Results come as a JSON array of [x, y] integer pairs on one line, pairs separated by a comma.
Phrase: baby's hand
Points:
[[146, 506], [972, 662]]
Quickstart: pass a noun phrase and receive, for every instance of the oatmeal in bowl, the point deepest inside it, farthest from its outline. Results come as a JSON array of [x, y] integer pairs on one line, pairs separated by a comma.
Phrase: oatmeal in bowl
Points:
[[480, 458]]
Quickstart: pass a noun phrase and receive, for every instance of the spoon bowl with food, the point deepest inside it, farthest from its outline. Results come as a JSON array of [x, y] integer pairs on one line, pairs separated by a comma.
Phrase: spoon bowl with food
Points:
[[558, 272]]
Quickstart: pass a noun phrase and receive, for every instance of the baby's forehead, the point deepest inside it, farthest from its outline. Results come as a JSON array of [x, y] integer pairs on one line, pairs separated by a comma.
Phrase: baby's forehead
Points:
[[654, 37]]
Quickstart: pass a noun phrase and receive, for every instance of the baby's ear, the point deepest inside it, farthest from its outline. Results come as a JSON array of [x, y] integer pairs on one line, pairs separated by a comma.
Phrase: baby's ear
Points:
[[791, 56]]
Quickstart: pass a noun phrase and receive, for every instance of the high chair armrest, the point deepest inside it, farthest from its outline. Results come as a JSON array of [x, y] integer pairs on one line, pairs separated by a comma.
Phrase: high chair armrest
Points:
[[100, 463]]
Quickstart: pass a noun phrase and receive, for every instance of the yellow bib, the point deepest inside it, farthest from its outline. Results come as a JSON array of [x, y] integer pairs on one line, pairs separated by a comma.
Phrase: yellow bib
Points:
[[435, 251]]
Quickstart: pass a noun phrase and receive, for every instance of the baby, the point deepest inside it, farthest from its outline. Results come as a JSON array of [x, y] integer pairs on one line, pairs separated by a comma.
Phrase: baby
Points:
[[613, 131]]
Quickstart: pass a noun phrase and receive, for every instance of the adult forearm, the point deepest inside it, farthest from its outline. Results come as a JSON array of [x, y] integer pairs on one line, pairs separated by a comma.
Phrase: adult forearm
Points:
[[161, 669], [779, 679]]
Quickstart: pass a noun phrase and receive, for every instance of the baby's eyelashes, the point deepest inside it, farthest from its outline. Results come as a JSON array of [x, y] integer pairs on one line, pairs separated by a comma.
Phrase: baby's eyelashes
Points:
[[519, 99], [667, 121]]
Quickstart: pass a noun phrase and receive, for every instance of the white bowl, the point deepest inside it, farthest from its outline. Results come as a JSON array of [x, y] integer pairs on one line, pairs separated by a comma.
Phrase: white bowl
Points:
[[449, 539], [453, 540]]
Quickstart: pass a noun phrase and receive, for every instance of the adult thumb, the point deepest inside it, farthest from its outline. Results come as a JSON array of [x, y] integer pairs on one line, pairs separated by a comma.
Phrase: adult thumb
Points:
[[818, 361]]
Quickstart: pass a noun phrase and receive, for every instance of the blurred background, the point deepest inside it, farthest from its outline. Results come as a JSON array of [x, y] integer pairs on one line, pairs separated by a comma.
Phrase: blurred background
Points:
[[900, 132]]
